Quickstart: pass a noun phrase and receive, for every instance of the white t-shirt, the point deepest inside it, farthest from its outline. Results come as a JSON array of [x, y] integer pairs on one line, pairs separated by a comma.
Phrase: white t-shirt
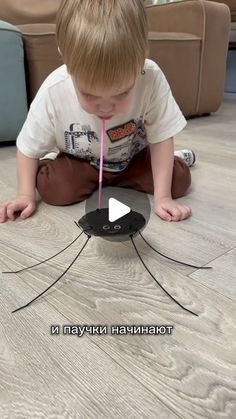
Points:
[[56, 121]]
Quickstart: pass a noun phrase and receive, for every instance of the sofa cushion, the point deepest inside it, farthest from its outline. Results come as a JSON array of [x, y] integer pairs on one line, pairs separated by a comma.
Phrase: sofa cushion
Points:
[[182, 73], [13, 98], [20, 12], [42, 56]]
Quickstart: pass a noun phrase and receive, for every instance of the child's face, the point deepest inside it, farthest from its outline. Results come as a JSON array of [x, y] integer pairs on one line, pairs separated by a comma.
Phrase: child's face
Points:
[[104, 104]]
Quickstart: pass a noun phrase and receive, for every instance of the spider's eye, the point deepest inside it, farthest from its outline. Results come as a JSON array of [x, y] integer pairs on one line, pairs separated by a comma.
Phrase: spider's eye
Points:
[[106, 227], [117, 227]]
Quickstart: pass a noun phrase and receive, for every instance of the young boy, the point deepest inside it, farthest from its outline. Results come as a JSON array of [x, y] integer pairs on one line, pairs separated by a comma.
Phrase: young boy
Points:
[[104, 46]]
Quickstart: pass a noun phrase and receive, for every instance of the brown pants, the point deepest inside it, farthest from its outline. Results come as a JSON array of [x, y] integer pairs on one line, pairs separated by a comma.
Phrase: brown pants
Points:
[[67, 180]]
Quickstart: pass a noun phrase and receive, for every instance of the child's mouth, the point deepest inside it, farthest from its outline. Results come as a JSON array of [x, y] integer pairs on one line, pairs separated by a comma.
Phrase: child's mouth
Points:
[[105, 117]]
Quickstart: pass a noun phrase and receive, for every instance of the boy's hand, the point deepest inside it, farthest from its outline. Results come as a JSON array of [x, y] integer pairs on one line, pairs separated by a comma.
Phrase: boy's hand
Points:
[[22, 205], [170, 210]]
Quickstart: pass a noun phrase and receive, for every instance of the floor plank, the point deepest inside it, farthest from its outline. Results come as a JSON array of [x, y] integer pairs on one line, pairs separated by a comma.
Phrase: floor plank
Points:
[[62, 376], [222, 276], [172, 367], [188, 374]]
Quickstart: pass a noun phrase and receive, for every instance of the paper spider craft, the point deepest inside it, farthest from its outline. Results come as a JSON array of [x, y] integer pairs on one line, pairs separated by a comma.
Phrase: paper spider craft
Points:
[[96, 223]]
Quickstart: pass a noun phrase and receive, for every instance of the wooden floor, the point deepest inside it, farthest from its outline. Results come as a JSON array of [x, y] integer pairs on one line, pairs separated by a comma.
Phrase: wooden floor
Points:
[[188, 374]]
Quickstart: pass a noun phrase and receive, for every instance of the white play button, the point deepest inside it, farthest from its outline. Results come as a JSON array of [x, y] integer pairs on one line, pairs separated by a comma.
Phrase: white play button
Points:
[[116, 210]]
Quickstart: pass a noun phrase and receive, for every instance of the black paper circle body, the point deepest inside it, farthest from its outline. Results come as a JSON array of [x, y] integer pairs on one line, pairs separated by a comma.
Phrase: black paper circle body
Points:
[[96, 223], [119, 230]]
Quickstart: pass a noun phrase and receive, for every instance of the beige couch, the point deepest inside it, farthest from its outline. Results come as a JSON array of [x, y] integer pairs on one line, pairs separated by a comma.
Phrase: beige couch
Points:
[[232, 6], [188, 39]]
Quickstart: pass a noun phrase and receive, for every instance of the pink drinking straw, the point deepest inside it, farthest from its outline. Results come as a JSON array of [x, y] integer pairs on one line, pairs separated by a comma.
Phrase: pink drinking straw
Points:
[[101, 162]]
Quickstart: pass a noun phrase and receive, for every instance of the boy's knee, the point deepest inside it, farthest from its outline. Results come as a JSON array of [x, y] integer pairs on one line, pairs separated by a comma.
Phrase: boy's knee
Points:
[[181, 180], [53, 189]]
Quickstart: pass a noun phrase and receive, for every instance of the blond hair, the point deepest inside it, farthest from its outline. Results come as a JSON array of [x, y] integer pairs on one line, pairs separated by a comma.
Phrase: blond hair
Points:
[[102, 42]]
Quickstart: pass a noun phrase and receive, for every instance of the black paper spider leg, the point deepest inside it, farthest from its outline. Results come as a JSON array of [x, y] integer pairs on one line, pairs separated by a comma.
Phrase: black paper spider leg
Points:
[[184, 308], [50, 286], [45, 260], [77, 224], [173, 260]]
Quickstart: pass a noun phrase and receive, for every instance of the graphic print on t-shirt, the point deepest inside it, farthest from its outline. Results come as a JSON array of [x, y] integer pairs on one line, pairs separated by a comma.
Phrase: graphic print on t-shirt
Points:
[[78, 141], [127, 140], [124, 141]]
